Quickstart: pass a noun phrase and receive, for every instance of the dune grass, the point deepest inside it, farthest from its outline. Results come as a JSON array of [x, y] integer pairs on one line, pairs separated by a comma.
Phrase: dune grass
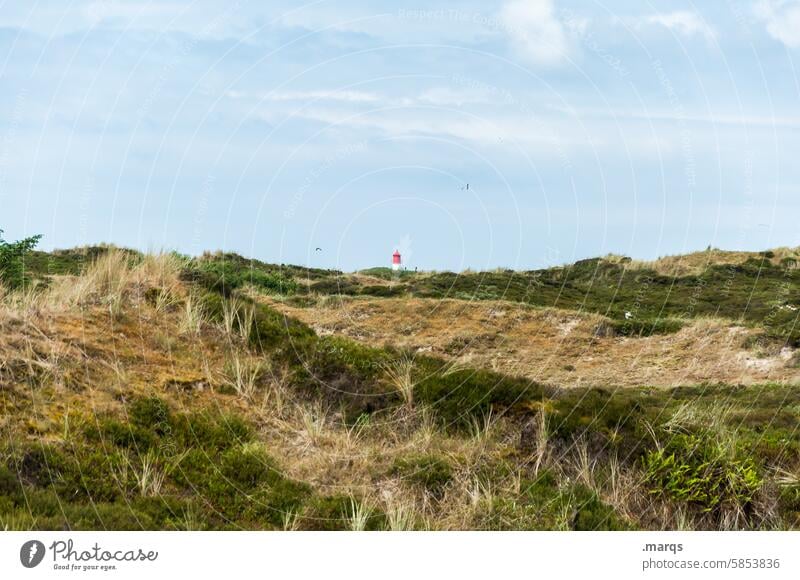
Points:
[[251, 420]]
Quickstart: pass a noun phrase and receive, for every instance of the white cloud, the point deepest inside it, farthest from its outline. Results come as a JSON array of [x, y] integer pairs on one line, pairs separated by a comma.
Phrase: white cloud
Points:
[[684, 23], [435, 96], [535, 31], [344, 96], [782, 18]]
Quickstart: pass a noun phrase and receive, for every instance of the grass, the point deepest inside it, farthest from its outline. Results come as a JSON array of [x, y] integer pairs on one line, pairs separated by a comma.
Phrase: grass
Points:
[[243, 375], [399, 373], [251, 420]]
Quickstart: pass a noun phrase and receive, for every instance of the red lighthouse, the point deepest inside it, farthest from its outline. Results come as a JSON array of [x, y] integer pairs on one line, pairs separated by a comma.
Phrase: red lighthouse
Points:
[[396, 261]]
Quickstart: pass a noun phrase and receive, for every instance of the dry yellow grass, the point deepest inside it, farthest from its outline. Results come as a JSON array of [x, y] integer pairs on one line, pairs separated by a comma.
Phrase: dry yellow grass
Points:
[[59, 366], [62, 366], [548, 345], [696, 262]]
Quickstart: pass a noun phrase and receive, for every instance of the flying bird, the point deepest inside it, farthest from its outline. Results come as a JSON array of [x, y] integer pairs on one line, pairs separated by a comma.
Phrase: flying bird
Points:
[[318, 250], [465, 188]]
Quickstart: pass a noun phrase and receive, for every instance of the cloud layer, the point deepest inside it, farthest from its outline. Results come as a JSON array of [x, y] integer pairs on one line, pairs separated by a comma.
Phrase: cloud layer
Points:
[[270, 128]]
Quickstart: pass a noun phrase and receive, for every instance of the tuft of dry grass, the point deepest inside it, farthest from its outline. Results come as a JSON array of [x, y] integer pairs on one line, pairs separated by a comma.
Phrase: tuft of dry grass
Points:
[[17, 521], [290, 521], [696, 263], [161, 270], [401, 515], [359, 515], [114, 279], [231, 317], [400, 374], [193, 316], [246, 319], [149, 472], [312, 422], [541, 440], [243, 375]]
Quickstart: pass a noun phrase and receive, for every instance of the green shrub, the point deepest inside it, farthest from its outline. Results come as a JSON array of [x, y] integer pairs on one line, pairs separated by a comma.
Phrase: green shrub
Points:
[[204, 429], [151, 413], [275, 501], [647, 326], [278, 334], [602, 418], [107, 430], [247, 467], [336, 286], [543, 505], [459, 396], [589, 513], [12, 260], [383, 291], [225, 275], [698, 470], [789, 505], [9, 484]]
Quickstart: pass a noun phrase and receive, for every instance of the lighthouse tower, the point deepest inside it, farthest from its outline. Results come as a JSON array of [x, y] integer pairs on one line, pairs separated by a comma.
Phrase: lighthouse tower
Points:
[[396, 261]]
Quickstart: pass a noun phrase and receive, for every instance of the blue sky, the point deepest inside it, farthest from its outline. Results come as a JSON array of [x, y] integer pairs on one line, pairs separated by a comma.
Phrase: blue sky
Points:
[[272, 128]]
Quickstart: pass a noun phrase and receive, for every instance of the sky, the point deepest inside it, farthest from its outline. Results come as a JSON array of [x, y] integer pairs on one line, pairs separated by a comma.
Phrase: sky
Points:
[[466, 134]]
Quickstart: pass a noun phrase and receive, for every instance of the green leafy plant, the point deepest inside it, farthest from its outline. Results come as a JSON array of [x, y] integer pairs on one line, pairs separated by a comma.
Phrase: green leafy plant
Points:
[[12, 260], [699, 470]]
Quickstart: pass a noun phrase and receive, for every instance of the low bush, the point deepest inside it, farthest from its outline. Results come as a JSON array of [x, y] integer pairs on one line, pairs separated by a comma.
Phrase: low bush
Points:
[[12, 260], [698, 470], [458, 396], [647, 326], [543, 505], [225, 275]]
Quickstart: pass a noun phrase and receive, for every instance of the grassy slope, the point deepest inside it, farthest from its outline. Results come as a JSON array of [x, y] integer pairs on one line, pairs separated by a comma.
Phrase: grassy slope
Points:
[[558, 347], [762, 290], [253, 421], [757, 289]]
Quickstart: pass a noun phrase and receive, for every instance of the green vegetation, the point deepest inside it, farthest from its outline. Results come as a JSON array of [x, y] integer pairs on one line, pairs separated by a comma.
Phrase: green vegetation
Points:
[[12, 260], [758, 292], [228, 273], [157, 470], [697, 469], [430, 472], [474, 447], [541, 504]]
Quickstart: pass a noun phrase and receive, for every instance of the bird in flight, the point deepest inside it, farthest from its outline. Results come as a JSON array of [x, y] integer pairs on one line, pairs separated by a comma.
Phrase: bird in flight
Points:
[[318, 250], [465, 188]]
